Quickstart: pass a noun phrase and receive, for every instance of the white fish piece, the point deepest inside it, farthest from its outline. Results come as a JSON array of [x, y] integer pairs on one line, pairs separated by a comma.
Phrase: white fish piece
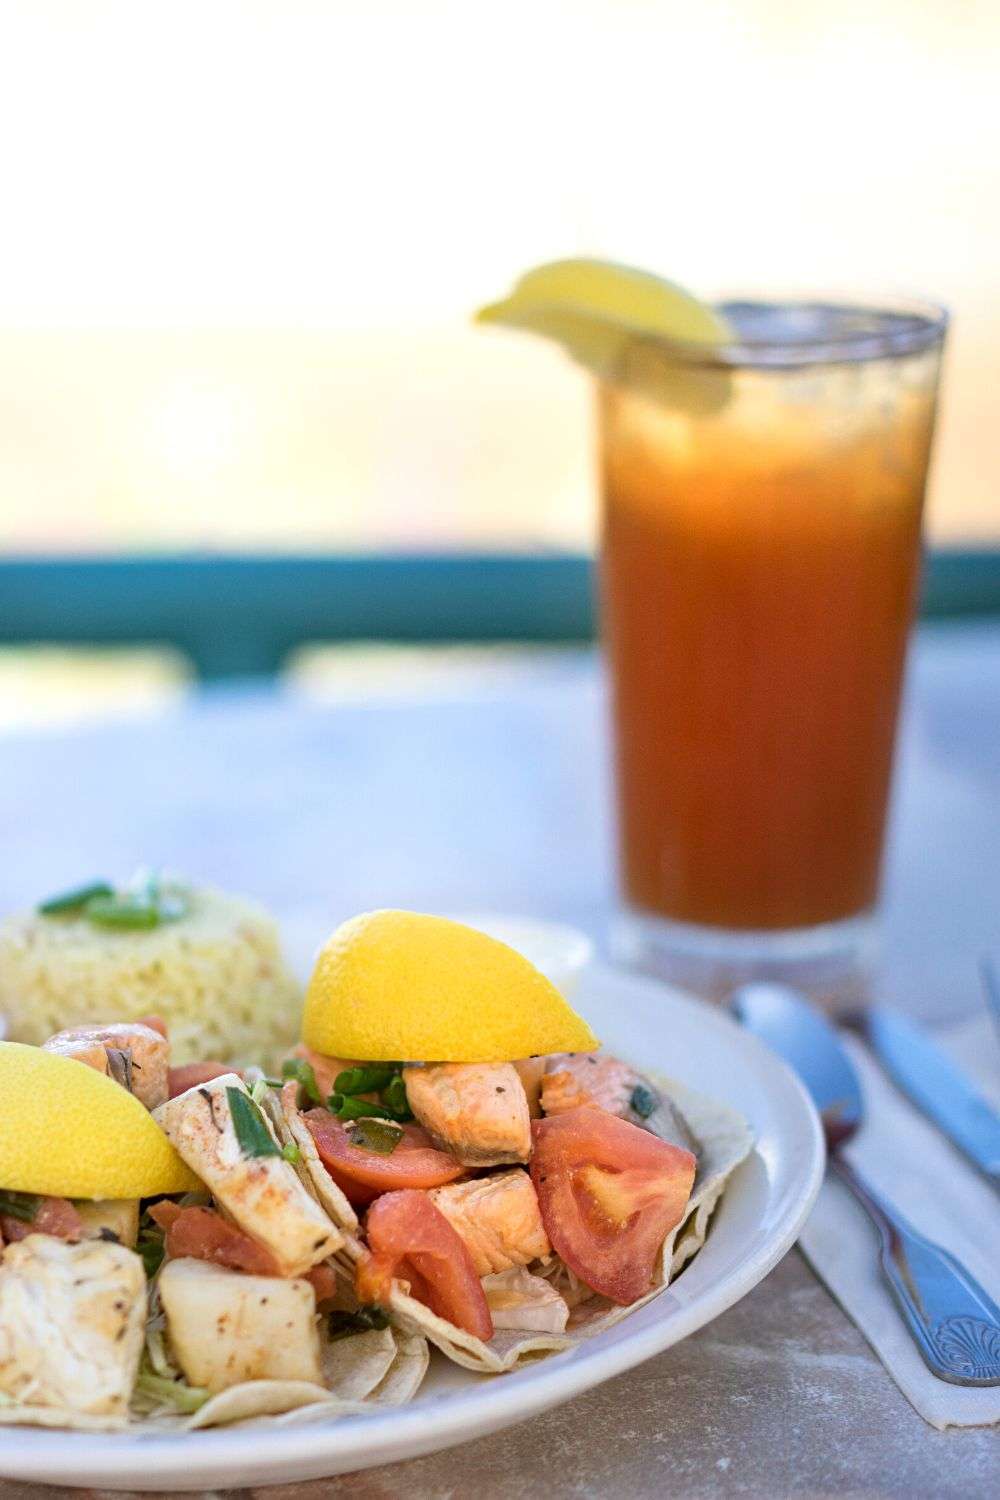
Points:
[[225, 1327], [478, 1112], [72, 1321], [104, 1217], [262, 1193], [520, 1300], [129, 1052]]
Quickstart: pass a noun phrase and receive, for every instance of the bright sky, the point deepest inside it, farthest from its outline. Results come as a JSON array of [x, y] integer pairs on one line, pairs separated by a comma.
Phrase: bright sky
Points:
[[360, 174]]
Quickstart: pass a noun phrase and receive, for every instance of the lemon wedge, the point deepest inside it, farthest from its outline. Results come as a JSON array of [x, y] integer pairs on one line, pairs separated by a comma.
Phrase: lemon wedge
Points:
[[67, 1131], [402, 986], [619, 322]]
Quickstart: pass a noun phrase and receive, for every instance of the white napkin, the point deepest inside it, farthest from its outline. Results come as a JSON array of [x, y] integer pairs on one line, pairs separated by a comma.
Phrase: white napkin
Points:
[[918, 1170]]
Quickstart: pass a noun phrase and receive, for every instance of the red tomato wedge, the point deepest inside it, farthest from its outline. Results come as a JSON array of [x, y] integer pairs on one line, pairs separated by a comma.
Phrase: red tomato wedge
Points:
[[155, 1023], [55, 1216], [412, 1239], [362, 1175], [610, 1194], [190, 1075], [203, 1234]]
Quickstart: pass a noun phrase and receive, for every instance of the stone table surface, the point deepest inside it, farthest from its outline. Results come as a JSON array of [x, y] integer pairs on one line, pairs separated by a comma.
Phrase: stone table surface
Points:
[[487, 789]]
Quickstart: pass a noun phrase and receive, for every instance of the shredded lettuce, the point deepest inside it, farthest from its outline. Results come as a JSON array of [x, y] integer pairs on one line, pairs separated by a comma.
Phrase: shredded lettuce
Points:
[[167, 1392]]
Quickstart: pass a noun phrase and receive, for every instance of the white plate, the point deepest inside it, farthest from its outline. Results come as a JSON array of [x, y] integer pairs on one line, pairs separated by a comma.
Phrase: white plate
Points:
[[764, 1208]]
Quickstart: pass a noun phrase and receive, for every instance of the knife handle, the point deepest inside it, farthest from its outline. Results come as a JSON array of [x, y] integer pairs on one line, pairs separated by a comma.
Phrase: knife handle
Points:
[[954, 1322]]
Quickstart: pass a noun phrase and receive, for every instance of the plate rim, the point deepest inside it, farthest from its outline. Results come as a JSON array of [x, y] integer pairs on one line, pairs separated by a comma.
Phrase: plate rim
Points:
[[137, 1460]]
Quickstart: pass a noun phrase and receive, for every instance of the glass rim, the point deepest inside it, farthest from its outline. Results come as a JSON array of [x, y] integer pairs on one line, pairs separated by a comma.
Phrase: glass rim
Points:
[[868, 329]]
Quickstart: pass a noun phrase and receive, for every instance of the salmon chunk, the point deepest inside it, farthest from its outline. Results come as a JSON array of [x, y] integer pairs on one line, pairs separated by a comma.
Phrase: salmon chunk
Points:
[[497, 1217], [478, 1112], [575, 1079], [588, 1078], [133, 1054]]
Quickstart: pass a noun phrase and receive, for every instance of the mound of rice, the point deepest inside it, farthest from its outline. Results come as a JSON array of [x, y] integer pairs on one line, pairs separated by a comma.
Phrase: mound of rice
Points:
[[216, 976]]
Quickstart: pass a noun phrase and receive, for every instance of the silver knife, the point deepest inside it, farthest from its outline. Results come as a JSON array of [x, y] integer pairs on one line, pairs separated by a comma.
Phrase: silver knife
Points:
[[937, 1086]]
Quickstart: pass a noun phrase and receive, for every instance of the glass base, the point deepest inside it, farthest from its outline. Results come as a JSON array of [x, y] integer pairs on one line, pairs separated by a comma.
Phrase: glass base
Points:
[[833, 963]]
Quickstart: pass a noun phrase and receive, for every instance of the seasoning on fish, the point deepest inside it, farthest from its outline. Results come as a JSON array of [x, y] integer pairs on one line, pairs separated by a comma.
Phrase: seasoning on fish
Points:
[[498, 1219], [476, 1111], [72, 1323], [224, 1327], [262, 1193], [135, 1055]]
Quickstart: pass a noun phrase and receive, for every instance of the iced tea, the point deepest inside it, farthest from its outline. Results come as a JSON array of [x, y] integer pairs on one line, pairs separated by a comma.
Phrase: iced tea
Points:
[[760, 562]]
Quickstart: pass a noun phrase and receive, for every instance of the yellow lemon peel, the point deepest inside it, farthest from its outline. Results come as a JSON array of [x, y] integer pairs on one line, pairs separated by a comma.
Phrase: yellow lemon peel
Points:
[[403, 986], [67, 1131]]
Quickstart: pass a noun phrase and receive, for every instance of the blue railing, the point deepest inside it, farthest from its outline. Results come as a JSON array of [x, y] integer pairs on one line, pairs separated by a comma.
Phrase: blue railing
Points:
[[237, 616]]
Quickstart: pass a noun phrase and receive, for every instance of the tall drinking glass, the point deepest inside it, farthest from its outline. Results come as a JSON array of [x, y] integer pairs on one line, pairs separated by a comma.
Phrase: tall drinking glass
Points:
[[761, 527]]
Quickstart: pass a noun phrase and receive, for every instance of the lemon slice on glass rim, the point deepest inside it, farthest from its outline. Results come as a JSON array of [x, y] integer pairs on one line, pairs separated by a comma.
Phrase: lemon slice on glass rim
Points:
[[620, 323]]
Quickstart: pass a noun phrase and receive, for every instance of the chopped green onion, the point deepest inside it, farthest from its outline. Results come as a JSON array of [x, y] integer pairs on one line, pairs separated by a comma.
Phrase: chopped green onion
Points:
[[186, 1398], [356, 1109], [72, 902], [132, 913], [302, 1072], [251, 1128], [643, 1101], [23, 1206], [395, 1098], [341, 1324], [143, 904], [364, 1080], [291, 1153], [260, 1090], [374, 1135]]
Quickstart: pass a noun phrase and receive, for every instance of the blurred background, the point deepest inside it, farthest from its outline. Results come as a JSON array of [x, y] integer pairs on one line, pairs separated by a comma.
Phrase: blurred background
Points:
[[242, 242]]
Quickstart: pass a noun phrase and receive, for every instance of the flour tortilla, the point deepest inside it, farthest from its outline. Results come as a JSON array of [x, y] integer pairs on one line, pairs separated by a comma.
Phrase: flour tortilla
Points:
[[724, 1139], [20, 1415]]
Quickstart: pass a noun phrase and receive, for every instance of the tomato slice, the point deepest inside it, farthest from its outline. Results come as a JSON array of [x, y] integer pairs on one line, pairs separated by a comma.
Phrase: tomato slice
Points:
[[362, 1175], [203, 1234], [155, 1023], [190, 1075], [412, 1239], [610, 1194], [54, 1216]]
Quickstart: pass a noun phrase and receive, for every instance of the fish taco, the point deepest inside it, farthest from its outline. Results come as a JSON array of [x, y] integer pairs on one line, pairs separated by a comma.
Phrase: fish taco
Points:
[[448, 1157]]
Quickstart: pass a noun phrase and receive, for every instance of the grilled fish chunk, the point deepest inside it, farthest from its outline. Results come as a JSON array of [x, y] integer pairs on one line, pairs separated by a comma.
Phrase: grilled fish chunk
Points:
[[478, 1112], [262, 1193], [128, 1051], [72, 1323], [498, 1219], [225, 1326]]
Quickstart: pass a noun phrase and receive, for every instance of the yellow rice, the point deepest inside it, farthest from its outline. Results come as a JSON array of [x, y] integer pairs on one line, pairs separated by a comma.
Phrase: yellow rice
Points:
[[216, 976]]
